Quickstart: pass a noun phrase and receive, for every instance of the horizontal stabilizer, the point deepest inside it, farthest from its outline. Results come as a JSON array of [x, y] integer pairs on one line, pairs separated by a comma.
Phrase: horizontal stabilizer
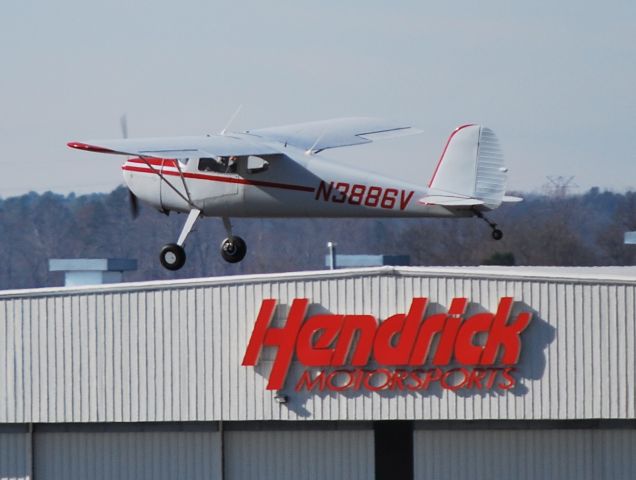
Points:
[[511, 199], [449, 201]]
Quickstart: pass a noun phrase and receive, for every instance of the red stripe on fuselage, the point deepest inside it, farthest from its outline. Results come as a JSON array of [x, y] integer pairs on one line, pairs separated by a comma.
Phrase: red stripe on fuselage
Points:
[[166, 162], [217, 178]]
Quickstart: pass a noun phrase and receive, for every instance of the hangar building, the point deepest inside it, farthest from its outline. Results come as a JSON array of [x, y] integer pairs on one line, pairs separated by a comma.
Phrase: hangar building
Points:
[[389, 372]]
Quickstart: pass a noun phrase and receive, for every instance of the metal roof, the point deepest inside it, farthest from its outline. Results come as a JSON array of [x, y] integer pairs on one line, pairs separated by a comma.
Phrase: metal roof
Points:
[[623, 274]]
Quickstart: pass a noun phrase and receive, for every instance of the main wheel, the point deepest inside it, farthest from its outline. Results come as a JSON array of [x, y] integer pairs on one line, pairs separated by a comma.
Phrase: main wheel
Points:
[[172, 256], [233, 249], [497, 234]]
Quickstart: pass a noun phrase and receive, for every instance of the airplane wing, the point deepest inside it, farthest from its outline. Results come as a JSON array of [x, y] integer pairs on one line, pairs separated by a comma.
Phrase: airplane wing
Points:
[[179, 147], [310, 136], [338, 132]]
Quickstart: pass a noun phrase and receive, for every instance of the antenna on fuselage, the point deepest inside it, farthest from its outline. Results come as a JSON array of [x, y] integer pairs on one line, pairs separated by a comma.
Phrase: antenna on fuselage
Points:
[[231, 119], [310, 150]]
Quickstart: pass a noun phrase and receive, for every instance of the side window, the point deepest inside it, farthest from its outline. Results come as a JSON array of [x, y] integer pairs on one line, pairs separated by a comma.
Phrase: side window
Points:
[[220, 165]]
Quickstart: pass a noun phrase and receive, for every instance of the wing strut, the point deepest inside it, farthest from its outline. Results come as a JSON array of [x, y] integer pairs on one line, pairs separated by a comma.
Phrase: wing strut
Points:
[[163, 177]]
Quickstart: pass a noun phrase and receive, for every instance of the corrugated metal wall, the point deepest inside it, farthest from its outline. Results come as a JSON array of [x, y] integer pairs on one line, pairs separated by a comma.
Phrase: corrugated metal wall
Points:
[[127, 455], [173, 352], [525, 454], [14, 455], [306, 454]]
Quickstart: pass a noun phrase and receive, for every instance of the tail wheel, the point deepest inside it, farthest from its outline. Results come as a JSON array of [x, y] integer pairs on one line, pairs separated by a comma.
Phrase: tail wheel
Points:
[[497, 234], [172, 256], [233, 249]]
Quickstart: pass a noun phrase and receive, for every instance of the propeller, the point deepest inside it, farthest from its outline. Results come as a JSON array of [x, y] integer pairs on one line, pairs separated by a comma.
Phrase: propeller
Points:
[[134, 207], [123, 123], [132, 199]]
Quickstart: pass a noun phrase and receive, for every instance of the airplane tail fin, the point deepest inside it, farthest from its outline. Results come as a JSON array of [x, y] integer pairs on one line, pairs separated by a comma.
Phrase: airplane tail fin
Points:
[[470, 172]]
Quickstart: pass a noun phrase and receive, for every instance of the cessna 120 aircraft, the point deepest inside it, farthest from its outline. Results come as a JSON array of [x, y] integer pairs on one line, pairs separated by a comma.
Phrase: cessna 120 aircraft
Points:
[[282, 172]]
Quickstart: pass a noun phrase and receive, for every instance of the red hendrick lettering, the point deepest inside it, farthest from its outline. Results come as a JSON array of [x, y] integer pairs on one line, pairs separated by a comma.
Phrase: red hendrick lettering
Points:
[[491, 378], [322, 189], [405, 199], [466, 352], [403, 325], [430, 327], [446, 343], [315, 338], [507, 336], [365, 325], [414, 375], [284, 338], [510, 380], [368, 379], [401, 339], [335, 386], [432, 375], [397, 382], [476, 376], [307, 382], [447, 379]]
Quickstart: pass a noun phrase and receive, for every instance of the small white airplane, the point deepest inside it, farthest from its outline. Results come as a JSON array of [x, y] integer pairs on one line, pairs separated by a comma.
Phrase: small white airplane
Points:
[[281, 172]]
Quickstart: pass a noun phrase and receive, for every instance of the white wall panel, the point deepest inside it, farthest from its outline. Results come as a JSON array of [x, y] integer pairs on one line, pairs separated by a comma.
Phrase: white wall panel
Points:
[[524, 454], [99, 455], [294, 454], [172, 351]]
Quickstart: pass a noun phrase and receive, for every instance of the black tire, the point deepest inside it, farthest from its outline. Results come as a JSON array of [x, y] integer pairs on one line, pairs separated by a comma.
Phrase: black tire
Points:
[[497, 234], [233, 249], [172, 256]]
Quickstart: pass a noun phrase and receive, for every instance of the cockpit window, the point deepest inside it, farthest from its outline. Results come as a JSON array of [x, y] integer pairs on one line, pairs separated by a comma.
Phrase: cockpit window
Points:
[[219, 165]]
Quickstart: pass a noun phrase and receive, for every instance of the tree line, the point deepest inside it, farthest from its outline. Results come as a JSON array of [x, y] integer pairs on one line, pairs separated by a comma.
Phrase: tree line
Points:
[[575, 230]]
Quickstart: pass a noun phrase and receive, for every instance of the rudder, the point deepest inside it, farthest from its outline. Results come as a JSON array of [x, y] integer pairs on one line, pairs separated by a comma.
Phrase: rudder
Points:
[[471, 166]]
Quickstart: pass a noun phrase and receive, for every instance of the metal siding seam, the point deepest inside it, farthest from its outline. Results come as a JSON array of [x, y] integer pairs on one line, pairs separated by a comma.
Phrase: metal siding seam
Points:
[[123, 362], [6, 367], [190, 395], [116, 352], [225, 358], [18, 361], [614, 374], [604, 352], [172, 359], [140, 348], [621, 357], [629, 347], [201, 349], [158, 397], [569, 375]]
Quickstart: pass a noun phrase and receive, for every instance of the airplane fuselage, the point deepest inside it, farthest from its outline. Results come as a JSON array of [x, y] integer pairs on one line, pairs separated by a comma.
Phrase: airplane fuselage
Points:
[[294, 184]]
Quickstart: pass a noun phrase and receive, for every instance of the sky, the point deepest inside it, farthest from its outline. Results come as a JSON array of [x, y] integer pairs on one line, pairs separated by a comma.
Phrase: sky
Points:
[[555, 80]]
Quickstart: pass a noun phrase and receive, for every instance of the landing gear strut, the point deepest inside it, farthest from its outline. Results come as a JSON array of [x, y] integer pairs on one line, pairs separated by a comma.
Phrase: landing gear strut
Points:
[[173, 255], [496, 233], [233, 248]]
